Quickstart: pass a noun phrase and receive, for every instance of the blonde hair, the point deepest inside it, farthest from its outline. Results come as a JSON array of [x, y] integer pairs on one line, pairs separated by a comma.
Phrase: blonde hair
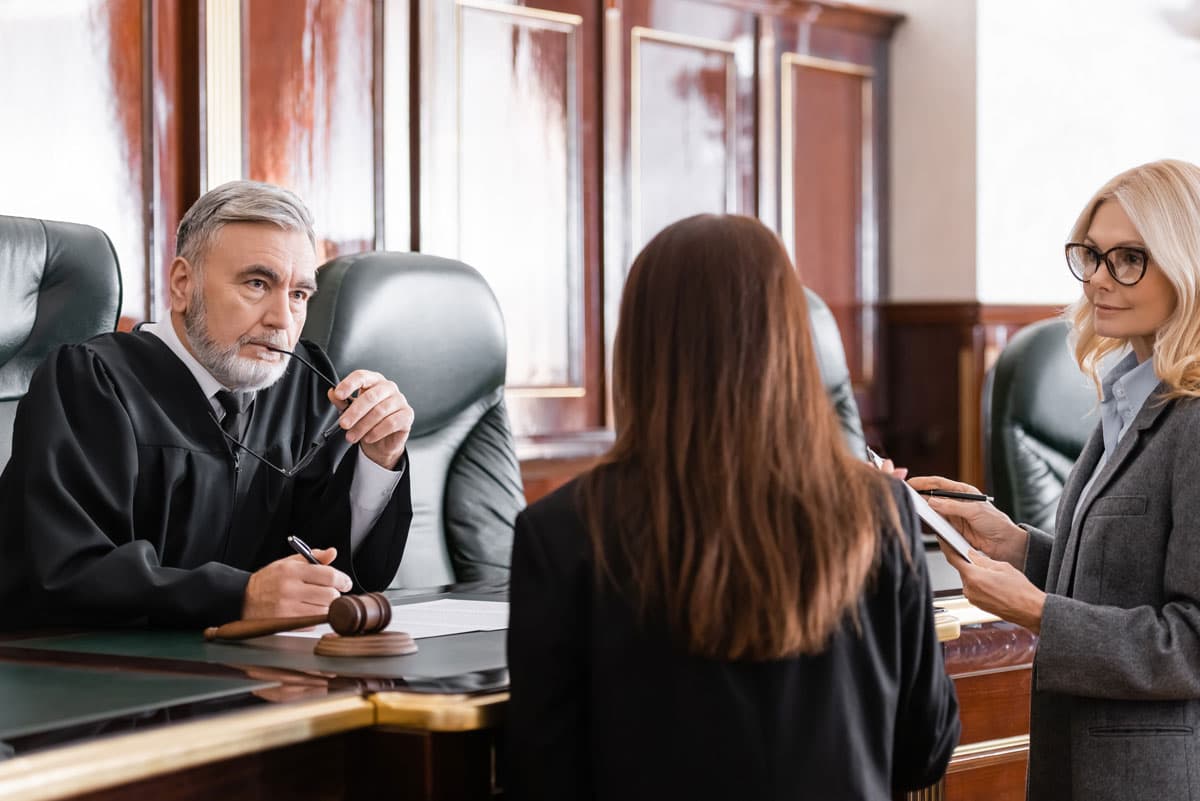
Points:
[[1162, 200]]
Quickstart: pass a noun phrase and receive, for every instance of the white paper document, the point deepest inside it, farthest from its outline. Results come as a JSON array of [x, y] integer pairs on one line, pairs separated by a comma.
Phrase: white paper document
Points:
[[940, 525], [437, 618]]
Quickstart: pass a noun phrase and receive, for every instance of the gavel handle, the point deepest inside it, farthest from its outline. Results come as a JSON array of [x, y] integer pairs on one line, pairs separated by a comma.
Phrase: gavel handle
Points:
[[245, 629]]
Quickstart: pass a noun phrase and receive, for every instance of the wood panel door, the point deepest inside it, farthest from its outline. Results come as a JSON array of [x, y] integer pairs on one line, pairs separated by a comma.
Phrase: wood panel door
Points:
[[309, 112], [828, 82], [679, 123], [510, 184]]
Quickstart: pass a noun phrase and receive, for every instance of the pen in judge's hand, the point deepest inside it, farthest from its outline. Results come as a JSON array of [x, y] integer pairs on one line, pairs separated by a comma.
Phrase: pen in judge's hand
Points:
[[301, 547], [957, 496]]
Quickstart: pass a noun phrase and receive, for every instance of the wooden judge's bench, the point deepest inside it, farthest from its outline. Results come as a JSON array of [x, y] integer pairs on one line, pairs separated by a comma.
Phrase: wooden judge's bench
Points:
[[165, 715], [991, 662]]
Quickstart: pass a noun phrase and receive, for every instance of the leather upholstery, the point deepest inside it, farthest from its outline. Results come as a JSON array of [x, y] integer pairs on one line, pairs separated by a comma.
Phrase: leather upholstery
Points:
[[835, 375], [433, 326], [1038, 410], [59, 283]]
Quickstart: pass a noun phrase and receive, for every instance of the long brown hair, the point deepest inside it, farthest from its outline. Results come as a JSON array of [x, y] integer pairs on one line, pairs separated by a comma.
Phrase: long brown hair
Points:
[[729, 503]]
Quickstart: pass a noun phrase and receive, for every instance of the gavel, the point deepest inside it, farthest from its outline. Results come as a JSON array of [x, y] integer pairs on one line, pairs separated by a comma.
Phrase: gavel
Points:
[[349, 616]]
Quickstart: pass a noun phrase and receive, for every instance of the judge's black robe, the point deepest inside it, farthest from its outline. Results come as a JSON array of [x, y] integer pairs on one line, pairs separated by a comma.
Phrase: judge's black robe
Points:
[[124, 503]]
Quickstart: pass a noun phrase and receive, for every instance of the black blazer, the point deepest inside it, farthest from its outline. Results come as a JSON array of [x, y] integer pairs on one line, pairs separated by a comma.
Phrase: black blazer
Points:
[[603, 710]]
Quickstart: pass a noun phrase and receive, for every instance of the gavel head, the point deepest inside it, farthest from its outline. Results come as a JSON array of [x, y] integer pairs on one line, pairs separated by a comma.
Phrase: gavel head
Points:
[[351, 615]]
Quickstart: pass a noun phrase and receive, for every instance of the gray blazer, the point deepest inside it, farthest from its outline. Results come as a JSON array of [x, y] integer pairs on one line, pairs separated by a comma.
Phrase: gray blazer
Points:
[[1116, 685]]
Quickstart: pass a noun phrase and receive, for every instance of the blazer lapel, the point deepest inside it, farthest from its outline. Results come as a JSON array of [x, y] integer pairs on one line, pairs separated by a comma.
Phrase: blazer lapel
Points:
[[1147, 416], [1064, 539]]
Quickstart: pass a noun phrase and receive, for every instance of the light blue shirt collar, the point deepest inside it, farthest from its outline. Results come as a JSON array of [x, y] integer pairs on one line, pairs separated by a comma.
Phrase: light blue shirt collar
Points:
[[1125, 389]]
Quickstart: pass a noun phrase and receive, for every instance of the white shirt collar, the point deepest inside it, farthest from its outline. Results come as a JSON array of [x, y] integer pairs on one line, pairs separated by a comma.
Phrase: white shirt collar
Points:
[[208, 385]]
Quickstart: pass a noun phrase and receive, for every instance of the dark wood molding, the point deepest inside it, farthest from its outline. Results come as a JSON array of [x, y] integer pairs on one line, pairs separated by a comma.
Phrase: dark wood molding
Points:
[[937, 355], [548, 462], [850, 17], [966, 313], [377, 132]]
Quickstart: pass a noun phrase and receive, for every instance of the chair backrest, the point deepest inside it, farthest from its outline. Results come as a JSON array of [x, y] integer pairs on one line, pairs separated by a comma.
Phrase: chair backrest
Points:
[[835, 374], [59, 283], [1037, 414], [433, 326]]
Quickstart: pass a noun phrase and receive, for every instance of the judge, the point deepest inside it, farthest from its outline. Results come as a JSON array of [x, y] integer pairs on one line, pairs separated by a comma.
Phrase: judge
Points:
[[156, 475]]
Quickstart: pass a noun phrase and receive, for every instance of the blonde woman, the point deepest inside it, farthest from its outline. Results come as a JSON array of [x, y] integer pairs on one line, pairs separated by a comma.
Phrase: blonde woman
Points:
[[1115, 591]]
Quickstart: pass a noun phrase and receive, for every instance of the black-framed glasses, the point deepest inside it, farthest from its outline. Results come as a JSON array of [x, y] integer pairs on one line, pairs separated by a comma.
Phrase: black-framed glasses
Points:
[[1127, 265], [317, 444]]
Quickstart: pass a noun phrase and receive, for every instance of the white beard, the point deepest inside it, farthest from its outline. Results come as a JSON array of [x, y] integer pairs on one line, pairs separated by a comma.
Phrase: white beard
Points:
[[235, 372]]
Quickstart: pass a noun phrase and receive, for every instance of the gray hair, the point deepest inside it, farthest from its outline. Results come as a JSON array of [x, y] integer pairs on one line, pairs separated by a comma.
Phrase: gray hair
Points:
[[234, 202]]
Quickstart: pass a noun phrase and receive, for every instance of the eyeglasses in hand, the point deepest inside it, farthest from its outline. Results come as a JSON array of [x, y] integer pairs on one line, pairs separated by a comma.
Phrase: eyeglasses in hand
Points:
[[1125, 264], [315, 447]]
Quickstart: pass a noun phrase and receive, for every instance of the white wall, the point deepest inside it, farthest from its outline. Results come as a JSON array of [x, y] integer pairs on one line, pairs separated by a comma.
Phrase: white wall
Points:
[[1070, 92], [1007, 115], [932, 159]]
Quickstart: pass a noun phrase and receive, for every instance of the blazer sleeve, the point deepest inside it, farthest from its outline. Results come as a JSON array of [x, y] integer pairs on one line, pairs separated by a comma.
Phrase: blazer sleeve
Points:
[[1142, 653], [547, 736], [927, 725], [69, 490], [1037, 555]]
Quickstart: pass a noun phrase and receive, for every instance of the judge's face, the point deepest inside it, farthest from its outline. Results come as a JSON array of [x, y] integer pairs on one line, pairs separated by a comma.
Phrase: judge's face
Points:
[[1133, 313], [252, 290]]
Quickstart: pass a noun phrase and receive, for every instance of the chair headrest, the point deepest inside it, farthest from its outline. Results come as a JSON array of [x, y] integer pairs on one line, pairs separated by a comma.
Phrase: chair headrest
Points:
[[430, 324], [59, 283], [827, 342], [1038, 386]]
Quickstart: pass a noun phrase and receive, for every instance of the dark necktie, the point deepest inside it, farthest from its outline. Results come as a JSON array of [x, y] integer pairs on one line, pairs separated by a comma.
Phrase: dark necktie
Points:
[[237, 407]]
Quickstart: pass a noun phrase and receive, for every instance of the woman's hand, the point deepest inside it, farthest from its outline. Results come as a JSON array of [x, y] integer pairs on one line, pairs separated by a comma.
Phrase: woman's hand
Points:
[[984, 526], [999, 588]]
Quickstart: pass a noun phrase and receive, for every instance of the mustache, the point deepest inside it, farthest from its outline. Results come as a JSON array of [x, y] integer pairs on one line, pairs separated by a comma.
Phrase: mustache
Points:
[[277, 340]]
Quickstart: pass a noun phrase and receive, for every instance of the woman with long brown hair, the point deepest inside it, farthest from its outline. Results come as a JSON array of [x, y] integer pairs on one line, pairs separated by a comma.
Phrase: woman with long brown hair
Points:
[[730, 605]]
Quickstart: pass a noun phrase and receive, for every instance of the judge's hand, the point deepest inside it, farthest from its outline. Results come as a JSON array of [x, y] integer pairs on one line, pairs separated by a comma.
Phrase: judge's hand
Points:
[[983, 525], [999, 588], [292, 587], [889, 467], [379, 419]]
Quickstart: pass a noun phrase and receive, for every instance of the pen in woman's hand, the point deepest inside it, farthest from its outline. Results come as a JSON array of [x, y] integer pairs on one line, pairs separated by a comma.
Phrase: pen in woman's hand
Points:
[[958, 496], [301, 547]]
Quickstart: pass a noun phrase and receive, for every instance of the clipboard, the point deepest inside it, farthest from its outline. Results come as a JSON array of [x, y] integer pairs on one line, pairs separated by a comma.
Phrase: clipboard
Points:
[[940, 525]]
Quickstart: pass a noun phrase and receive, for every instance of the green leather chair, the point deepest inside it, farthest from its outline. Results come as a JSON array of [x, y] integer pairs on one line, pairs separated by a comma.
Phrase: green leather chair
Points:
[[1038, 410], [434, 327], [59, 283]]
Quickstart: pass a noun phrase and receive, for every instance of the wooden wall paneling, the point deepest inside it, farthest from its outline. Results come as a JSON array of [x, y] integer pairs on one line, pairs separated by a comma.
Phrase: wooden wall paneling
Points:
[[510, 183], [679, 123], [173, 183], [827, 192], [937, 356], [66, 69], [309, 111], [395, 144], [686, 118]]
